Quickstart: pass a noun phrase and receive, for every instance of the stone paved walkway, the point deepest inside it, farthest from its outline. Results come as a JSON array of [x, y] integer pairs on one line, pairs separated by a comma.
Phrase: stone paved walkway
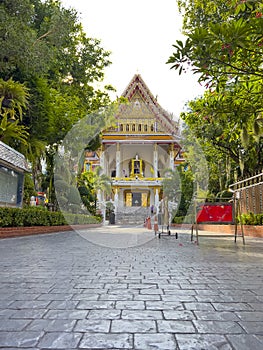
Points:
[[60, 291]]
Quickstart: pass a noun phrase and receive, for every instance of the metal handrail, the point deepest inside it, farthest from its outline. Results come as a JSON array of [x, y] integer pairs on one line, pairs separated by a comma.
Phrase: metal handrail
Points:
[[245, 180]]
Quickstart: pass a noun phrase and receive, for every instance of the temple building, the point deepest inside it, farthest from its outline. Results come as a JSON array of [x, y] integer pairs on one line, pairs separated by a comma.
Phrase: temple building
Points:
[[137, 150]]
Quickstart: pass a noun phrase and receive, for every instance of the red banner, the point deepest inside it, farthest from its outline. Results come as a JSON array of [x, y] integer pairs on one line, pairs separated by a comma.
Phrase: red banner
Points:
[[215, 213]]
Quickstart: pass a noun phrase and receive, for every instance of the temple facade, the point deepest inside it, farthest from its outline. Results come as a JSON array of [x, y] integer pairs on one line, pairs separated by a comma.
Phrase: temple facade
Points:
[[137, 150]]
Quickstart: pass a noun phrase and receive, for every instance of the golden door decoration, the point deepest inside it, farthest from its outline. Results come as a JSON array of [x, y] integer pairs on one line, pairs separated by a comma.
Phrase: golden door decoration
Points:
[[128, 199], [144, 199]]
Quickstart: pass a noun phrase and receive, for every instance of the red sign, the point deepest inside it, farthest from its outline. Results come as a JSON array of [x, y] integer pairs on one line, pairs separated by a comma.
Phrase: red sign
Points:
[[215, 213]]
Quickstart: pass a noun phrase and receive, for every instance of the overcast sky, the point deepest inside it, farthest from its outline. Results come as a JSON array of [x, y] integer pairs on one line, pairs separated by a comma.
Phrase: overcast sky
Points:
[[140, 34]]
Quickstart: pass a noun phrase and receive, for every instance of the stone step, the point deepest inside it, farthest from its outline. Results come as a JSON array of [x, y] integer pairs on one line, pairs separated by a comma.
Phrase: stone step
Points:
[[132, 215]]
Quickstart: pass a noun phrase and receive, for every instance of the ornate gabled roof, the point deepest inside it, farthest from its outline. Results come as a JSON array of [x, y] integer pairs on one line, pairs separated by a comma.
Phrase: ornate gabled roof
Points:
[[138, 93], [12, 157]]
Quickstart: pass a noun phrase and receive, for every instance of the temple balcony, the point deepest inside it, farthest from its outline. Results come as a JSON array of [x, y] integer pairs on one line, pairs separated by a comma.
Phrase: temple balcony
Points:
[[138, 182]]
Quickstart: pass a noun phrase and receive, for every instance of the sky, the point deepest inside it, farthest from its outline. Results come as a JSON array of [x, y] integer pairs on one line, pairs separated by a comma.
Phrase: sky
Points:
[[140, 34]]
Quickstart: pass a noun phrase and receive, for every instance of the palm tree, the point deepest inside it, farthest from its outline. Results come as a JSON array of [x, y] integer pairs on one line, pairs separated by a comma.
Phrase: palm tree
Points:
[[13, 99], [12, 131], [96, 182]]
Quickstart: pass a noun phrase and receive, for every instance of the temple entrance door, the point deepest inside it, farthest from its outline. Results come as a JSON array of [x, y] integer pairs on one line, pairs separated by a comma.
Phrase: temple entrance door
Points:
[[136, 199]]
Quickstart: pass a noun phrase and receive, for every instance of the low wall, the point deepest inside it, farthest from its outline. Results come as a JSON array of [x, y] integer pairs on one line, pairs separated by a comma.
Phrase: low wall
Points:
[[249, 230], [6, 232]]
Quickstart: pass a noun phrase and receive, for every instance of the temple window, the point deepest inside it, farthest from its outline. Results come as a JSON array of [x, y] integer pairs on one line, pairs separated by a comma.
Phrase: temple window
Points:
[[133, 127], [145, 127], [140, 127], [121, 127], [87, 166], [127, 127], [137, 165], [152, 127]]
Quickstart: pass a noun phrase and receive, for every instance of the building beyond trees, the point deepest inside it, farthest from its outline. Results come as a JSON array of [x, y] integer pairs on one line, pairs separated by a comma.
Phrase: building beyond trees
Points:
[[13, 166]]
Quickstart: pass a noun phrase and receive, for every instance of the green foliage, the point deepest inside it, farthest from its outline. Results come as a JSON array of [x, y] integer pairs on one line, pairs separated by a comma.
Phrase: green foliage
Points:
[[251, 219], [44, 46], [223, 123], [29, 189], [171, 185], [178, 186], [187, 219], [247, 219], [88, 198], [35, 216], [224, 39], [224, 46], [11, 132], [89, 183], [13, 99]]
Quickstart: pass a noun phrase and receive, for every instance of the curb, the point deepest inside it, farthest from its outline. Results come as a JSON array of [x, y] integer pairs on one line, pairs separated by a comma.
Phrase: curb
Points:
[[249, 230], [8, 232]]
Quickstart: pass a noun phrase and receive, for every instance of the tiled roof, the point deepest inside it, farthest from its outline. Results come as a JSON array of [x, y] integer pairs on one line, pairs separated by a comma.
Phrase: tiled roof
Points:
[[11, 156], [137, 84]]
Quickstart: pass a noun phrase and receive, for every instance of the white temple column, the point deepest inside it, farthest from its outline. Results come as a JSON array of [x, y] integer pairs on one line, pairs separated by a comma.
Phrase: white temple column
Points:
[[156, 199], [118, 160], [116, 200], [99, 197], [102, 162], [106, 164], [171, 153], [101, 204], [155, 160]]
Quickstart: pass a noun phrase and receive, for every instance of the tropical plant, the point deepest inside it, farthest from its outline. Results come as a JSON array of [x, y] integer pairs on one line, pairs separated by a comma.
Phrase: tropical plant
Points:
[[13, 101], [224, 43], [95, 183], [44, 46]]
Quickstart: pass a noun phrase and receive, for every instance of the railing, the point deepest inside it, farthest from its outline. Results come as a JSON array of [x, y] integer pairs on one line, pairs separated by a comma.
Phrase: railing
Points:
[[250, 194], [140, 181]]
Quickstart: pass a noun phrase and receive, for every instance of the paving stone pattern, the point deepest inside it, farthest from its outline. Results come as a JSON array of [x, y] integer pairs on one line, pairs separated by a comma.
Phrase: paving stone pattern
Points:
[[59, 291]]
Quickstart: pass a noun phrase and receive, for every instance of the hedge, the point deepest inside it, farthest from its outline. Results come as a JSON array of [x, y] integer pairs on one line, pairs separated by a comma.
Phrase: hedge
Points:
[[252, 219], [188, 219], [247, 219], [35, 216]]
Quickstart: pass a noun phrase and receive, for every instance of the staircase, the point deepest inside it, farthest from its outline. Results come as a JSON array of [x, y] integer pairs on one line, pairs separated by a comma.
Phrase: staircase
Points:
[[132, 215]]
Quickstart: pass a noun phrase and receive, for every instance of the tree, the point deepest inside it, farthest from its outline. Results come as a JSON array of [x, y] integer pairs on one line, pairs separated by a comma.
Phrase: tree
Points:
[[172, 185], [226, 126], [224, 40], [178, 188], [44, 46], [224, 43], [13, 100], [94, 182]]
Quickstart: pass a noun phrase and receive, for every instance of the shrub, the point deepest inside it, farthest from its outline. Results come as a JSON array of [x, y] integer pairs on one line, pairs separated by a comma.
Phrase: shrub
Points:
[[251, 219], [5, 217], [247, 219], [188, 219], [36, 216]]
